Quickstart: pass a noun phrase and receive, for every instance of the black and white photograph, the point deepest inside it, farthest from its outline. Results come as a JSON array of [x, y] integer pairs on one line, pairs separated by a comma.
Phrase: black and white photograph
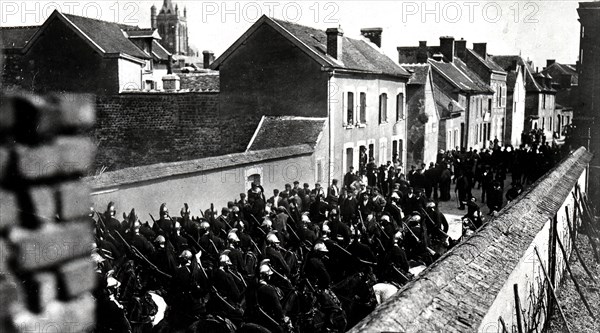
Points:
[[306, 166]]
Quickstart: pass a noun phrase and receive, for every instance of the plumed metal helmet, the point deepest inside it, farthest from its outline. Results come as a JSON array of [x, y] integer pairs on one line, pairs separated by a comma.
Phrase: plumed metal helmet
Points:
[[186, 254], [430, 204], [232, 236], [272, 238], [265, 270], [163, 209], [224, 260], [112, 211], [160, 240], [385, 218], [235, 209], [326, 228], [320, 247], [204, 225], [395, 196], [305, 218], [185, 211], [415, 218], [267, 223]]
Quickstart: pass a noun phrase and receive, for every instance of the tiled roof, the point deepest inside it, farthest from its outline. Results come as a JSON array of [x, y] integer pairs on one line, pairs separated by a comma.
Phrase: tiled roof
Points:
[[16, 37], [200, 81], [107, 35], [460, 76], [508, 63], [442, 100], [356, 54], [556, 70], [488, 61], [418, 73], [284, 131], [159, 52], [163, 170]]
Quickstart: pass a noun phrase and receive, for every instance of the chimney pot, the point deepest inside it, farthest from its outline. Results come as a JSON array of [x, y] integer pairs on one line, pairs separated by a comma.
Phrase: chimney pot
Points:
[[207, 58], [550, 62], [373, 34], [447, 47], [335, 42], [480, 49]]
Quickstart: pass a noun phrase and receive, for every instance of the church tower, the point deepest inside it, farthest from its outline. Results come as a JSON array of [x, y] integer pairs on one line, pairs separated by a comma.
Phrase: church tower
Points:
[[172, 27]]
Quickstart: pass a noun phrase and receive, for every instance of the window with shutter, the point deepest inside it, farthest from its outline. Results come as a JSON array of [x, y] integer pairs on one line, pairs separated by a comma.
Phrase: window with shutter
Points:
[[350, 108], [399, 106], [383, 108], [363, 108]]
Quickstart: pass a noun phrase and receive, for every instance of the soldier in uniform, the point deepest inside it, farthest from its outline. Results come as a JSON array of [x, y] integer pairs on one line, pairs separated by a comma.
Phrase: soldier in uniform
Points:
[[164, 225], [315, 269], [268, 299], [273, 253], [111, 223], [398, 262]]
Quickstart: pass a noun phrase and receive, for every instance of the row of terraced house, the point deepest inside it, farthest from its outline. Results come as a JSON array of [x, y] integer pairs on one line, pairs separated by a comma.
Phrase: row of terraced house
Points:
[[320, 96]]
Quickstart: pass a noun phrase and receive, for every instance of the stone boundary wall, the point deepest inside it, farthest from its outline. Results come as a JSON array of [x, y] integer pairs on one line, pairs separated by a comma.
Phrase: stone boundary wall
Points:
[[145, 128], [471, 288]]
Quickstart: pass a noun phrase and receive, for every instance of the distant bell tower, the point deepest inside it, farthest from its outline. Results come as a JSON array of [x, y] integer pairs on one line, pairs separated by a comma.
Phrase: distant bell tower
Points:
[[172, 27]]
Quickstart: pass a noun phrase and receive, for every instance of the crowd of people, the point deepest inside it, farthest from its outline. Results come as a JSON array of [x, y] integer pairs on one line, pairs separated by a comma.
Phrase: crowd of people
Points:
[[302, 259]]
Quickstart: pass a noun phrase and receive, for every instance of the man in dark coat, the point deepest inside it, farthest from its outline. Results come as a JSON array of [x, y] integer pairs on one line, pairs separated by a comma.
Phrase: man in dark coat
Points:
[[463, 189]]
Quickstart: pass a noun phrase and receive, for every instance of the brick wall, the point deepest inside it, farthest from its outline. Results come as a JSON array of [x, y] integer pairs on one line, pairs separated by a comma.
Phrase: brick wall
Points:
[[135, 129], [46, 273], [470, 289]]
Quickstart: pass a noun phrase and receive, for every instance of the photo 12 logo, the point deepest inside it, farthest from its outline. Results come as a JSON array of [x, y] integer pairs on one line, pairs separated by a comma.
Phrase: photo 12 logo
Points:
[[36, 12], [234, 11], [471, 12]]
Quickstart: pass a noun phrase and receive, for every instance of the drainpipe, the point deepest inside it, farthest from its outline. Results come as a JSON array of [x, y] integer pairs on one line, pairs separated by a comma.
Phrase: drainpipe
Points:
[[331, 158]]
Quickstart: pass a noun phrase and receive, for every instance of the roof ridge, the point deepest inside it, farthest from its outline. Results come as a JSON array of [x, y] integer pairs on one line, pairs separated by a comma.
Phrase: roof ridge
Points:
[[20, 27], [121, 25]]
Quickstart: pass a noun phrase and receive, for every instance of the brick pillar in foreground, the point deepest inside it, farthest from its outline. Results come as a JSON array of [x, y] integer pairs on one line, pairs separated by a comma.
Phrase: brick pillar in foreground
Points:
[[46, 273]]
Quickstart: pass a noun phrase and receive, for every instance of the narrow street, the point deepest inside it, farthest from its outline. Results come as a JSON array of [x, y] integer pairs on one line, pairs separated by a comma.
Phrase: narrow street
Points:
[[453, 214]]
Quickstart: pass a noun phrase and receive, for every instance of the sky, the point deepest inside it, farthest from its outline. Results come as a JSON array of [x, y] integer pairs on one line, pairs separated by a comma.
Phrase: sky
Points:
[[537, 30]]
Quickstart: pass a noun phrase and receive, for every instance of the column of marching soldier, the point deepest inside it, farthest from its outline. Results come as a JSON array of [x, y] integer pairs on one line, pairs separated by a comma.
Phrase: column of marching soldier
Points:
[[305, 259]]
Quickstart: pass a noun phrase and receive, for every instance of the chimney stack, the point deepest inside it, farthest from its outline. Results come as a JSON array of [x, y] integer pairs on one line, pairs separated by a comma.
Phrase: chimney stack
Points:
[[373, 34], [422, 52], [460, 48], [480, 49], [207, 58], [153, 17], [447, 47], [550, 62], [335, 42]]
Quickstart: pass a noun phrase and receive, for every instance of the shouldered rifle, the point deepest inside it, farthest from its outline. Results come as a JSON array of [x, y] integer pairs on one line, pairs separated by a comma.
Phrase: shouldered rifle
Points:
[[140, 256], [399, 272], [256, 246], [433, 223]]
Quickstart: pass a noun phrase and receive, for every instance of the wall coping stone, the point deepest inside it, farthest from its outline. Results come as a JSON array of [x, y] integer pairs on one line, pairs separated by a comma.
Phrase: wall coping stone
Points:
[[455, 292], [159, 171]]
